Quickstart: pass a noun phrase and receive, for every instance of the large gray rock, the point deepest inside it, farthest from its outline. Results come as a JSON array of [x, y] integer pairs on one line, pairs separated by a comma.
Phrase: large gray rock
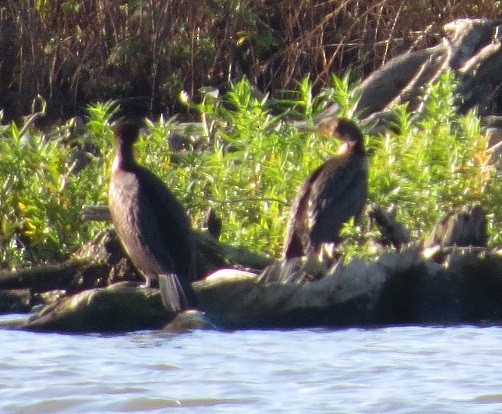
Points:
[[463, 286], [399, 288], [470, 48]]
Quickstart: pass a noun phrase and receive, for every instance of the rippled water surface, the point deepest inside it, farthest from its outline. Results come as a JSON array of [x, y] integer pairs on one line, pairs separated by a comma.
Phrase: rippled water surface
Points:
[[388, 370]]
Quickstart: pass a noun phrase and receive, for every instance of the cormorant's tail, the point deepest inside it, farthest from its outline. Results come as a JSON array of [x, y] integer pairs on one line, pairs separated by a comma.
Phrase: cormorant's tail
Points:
[[171, 292]]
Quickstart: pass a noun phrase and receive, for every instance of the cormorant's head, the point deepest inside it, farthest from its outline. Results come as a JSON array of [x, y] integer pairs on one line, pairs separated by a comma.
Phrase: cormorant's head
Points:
[[127, 131], [126, 134], [343, 129]]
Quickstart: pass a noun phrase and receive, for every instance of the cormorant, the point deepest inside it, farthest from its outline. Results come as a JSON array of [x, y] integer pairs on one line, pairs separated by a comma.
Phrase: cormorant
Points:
[[334, 192], [151, 223]]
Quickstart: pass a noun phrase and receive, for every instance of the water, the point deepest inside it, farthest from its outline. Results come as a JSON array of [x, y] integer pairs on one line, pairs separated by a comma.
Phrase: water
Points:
[[388, 370]]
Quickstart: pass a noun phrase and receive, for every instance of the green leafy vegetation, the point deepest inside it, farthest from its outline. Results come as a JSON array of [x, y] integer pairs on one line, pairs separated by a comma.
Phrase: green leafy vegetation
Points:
[[435, 164], [247, 163], [42, 195]]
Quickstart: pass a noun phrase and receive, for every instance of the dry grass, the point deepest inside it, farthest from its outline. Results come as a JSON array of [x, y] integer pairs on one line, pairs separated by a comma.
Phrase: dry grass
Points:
[[73, 52]]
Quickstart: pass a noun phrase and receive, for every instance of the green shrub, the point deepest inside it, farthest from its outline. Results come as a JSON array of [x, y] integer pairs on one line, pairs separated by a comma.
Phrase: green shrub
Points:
[[248, 165], [434, 165], [42, 198]]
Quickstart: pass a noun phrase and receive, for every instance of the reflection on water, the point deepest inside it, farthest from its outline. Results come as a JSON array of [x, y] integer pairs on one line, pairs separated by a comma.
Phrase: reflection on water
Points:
[[399, 370]]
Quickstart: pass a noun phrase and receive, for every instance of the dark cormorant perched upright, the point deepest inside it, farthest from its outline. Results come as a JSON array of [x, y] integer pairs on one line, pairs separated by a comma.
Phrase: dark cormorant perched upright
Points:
[[151, 223], [334, 192]]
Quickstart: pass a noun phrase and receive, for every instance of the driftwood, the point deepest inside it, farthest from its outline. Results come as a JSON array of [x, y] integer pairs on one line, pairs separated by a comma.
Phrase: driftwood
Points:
[[213, 253], [465, 226], [400, 79], [49, 277], [392, 232], [102, 262], [15, 301], [398, 289]]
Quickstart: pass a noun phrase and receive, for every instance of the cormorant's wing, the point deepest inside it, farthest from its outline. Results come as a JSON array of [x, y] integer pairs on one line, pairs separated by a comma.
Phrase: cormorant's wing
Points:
[[169, 225], [297, 229], [339, 193]]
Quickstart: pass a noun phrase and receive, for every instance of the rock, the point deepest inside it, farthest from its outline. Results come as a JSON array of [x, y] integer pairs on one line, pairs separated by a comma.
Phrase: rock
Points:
[[470, 48], [464, 226], [15, 301], [398, 289], [189, 320], [117, 308]]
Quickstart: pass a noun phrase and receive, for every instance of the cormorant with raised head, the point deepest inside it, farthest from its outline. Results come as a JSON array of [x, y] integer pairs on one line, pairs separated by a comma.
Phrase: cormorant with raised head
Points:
[[151, 223], [331, 195]]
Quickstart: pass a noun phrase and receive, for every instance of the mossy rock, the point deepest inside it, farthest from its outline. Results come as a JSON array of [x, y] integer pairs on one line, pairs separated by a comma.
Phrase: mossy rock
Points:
[[117, 308], [15, 301]]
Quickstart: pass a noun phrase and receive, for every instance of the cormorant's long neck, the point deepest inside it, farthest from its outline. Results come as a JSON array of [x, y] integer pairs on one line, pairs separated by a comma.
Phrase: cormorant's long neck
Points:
[[358, 147], [124, 159], [352, 147]]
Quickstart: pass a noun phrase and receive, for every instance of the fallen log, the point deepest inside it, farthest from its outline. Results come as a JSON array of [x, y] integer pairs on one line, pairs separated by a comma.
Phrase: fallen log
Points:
[[15, 301], [48, 277], [215, 253], [103, 262], [465, 226], [398, 289], [469, 48]]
